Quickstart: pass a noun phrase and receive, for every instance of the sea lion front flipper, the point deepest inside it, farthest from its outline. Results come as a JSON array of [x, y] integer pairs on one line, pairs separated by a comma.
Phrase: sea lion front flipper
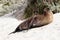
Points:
[[32, 21]]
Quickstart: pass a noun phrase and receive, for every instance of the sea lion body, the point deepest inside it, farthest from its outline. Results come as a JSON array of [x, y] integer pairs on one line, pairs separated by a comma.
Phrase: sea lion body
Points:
[[36, 20]]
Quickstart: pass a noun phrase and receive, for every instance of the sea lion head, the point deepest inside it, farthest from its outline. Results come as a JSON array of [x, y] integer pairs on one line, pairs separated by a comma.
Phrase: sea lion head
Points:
[[43, 8], [46, 9]]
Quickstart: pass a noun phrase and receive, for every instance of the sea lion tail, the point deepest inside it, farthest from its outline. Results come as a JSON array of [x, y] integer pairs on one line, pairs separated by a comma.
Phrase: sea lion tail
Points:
[[16, 30], [11, 33]]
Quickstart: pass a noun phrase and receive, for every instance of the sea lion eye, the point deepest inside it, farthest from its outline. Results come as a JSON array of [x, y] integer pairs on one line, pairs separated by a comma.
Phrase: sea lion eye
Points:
[[48, 8]]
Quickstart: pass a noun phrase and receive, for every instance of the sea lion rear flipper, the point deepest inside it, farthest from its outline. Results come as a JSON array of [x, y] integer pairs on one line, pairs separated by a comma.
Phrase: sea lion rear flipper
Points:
[[16, 30]]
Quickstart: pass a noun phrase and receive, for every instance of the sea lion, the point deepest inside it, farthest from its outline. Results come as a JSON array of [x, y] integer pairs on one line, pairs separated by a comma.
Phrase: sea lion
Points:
[[36, 20]]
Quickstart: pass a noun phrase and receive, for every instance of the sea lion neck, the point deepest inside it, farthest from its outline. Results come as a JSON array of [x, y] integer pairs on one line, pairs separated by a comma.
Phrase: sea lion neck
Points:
[[47, 13]]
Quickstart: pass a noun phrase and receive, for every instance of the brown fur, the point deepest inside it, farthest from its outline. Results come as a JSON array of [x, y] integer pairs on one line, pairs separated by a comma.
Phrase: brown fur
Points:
[[36, 20]]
